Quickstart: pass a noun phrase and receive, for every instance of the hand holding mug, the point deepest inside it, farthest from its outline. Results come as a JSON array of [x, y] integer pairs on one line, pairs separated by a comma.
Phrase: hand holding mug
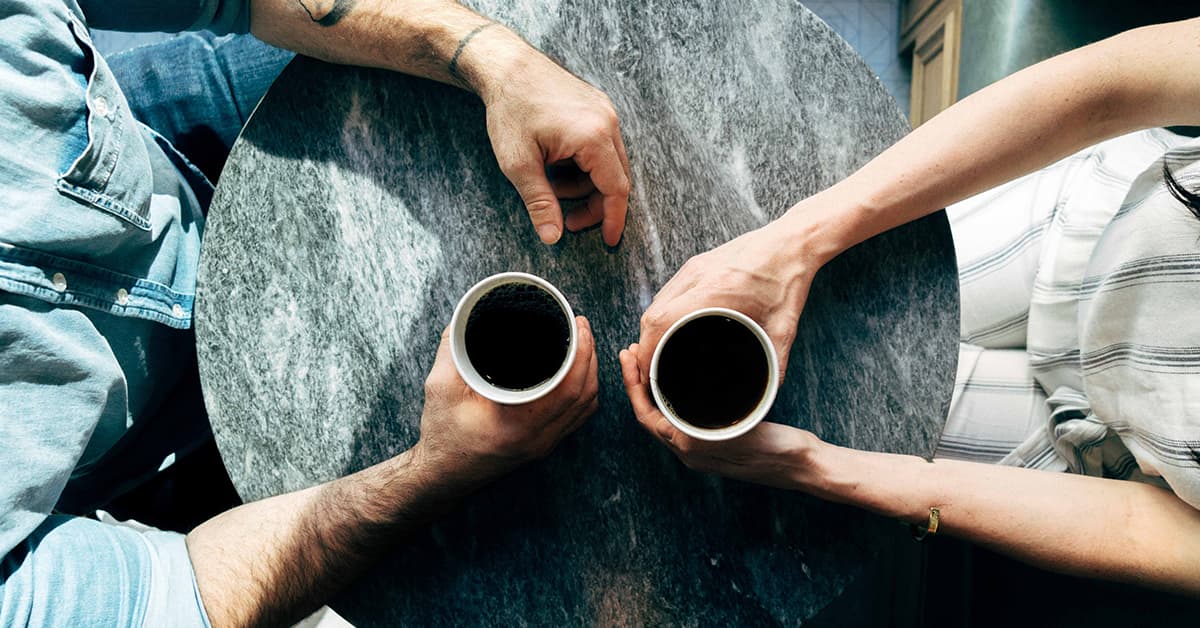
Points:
[[472, 440], [771, 454], [760, 274]]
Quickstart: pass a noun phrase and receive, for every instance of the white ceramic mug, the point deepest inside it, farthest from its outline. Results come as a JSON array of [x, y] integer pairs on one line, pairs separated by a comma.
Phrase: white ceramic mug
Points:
[[760, 410], [458, 344]]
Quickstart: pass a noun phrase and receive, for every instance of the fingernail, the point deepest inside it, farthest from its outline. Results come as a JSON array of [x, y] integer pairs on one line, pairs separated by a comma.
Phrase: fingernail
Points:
[[548, 233]]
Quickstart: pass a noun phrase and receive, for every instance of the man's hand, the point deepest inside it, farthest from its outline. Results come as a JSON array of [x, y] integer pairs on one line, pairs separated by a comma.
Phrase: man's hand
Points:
[[544, 117], [761, 274], [274, 561], [771, 454], [470, 440], [539, 116]]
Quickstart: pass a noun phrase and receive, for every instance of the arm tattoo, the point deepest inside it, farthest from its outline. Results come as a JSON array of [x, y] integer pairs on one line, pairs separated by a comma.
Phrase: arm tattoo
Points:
[[453, 68], [326, 12]]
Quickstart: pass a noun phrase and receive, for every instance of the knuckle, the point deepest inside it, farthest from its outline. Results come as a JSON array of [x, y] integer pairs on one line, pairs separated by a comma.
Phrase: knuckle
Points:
[[652, 318], [610, 115], [623, 187], [599, 125], [540, 206], [511, 165]]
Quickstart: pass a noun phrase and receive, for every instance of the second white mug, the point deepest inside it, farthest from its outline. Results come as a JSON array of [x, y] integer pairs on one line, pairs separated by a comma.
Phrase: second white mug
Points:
[[714, 374]]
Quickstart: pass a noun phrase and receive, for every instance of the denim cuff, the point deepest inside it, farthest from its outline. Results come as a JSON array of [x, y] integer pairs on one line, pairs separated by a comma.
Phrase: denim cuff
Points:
[[73, 571]]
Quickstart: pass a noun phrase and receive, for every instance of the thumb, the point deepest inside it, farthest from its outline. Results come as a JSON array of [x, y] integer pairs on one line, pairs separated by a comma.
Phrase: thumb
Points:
[[527, 172]]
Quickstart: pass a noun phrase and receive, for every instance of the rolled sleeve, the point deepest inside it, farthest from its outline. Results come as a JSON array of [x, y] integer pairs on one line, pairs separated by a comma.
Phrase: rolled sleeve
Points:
[[219, 16], [80, 572]]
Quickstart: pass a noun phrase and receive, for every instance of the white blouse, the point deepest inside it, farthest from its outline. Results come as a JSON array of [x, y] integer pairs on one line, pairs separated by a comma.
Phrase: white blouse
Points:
[[1103, 265]]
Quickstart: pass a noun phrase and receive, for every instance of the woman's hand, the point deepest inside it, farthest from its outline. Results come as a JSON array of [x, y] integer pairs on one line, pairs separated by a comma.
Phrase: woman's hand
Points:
[[471, 440], [771, 454], [764, 274]]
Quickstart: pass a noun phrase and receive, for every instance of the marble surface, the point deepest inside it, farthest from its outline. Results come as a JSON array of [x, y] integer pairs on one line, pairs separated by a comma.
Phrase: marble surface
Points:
[[358, 206]]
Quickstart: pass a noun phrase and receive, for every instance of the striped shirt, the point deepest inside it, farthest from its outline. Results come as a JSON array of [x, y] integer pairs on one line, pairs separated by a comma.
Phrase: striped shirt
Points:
[[1080, 338]]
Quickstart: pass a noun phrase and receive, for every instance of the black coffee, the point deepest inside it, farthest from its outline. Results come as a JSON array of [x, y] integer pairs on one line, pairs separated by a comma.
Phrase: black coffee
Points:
[[712, 371], [517, 336]]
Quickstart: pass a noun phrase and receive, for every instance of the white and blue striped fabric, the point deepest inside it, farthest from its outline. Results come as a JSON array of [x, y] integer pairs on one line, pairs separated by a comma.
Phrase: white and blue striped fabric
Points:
[[1081, 318]]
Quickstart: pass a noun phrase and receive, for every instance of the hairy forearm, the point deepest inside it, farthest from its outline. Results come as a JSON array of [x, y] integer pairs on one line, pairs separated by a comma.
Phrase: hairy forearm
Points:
[[435, 39], [1086, 526], [1140, 79], [273, 561]]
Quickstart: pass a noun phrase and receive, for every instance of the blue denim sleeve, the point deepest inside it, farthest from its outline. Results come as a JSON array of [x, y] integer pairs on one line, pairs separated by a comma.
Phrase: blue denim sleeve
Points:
[[172, 16], [80, 572]]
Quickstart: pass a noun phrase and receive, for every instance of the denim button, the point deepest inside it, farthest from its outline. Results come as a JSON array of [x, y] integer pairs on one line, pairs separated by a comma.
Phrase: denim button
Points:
[[60, 282], [177, 310], [100, 104], [122, 296]]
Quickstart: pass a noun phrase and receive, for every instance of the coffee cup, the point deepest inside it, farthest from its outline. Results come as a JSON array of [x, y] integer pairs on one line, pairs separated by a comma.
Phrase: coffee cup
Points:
[[714, 374], [513, 337]]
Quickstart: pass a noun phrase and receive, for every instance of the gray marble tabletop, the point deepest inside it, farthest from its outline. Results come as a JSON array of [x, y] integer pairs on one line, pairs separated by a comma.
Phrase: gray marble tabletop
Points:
[[358, 205]]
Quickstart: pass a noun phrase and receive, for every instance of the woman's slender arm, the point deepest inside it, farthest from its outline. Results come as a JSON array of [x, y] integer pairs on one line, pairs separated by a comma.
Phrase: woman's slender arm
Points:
[[1081, 525], [1139, 79], [1087, 526]]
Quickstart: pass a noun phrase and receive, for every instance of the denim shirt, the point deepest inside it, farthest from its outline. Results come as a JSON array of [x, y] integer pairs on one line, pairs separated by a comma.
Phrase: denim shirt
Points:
[[100, 223]]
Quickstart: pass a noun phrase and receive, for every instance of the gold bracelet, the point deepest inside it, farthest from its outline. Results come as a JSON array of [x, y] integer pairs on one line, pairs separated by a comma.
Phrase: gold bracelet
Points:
[[919, 533]]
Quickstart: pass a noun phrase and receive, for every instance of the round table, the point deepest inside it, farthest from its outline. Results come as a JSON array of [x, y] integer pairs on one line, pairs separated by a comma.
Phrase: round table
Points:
[[358, 205]]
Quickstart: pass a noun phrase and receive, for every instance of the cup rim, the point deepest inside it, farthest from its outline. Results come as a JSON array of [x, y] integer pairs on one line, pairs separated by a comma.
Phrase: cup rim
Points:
[[764, 404], [458, 331]]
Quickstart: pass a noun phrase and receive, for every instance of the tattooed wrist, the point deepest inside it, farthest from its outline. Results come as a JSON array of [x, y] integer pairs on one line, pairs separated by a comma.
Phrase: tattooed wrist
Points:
[[326, 12], [453, 66]]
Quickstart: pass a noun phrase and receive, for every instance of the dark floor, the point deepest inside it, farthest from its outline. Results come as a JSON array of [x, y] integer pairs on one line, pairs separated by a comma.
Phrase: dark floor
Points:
[[967, 585]]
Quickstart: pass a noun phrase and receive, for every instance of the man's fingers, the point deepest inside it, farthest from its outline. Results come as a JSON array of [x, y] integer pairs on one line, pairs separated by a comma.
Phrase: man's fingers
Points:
[[611, 177], [571, 184], [594, 372], [585, 404], [620, 144], [613, 225], [443, 360], [665, 431], [527, 172], [584, 355], [591, 385], [587, 215], [443, 375]]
